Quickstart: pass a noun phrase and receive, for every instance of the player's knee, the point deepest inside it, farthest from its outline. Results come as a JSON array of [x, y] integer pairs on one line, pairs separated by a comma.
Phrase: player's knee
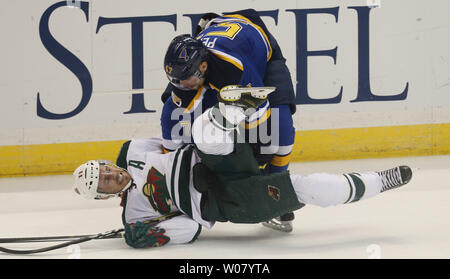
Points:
[[324, 189], [209, 138]]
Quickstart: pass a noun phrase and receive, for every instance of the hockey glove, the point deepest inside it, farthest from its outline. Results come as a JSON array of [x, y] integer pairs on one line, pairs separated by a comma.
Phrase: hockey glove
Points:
[[206, 18], [141, 235]]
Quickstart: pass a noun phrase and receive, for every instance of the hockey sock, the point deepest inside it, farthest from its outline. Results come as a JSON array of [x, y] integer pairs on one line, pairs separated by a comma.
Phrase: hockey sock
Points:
[[324, 189]]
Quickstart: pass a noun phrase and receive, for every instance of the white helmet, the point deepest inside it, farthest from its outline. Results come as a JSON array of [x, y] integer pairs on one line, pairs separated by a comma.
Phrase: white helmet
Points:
[[86, 179]]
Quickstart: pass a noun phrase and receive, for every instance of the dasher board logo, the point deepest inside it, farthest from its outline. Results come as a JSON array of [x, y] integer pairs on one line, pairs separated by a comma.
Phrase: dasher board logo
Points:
[[156, 191], [360, 21], [274, 192]]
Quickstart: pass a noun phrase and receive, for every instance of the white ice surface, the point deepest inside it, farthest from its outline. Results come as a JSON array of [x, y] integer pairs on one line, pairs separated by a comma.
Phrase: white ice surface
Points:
[[410, 222]]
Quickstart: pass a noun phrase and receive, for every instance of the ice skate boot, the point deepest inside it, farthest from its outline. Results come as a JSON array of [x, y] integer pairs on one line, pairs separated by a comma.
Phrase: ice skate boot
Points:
[[395, 177]]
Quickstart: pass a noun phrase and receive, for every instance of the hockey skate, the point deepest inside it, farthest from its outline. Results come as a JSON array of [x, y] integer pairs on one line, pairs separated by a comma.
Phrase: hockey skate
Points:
[[395, 177], [244, 97], [282, 223]]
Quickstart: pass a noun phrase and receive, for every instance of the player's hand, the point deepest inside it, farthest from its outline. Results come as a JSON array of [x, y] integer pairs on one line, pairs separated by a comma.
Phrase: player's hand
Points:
[[141, 235], [203, 21]]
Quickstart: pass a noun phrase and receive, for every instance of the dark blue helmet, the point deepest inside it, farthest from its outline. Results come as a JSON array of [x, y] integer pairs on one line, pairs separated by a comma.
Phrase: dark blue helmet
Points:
[[183, 58]]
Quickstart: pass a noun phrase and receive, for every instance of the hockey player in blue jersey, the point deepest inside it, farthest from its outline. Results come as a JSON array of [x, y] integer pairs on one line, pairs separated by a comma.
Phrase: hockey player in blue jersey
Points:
[[234, 49]]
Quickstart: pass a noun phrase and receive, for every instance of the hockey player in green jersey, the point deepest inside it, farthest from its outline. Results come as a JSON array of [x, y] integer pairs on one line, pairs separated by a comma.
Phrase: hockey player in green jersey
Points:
[[216, 179]]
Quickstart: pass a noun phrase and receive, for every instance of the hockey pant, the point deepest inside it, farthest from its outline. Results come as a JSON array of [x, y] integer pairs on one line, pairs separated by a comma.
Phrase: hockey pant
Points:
[[262, 197]]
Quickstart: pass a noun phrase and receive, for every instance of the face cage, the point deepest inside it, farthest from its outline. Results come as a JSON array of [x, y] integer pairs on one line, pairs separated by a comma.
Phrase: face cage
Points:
[[101, 196], [177, 82]]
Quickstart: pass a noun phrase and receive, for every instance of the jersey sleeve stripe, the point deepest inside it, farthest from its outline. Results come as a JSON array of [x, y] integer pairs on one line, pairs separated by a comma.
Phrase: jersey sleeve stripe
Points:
[[226, 57], [183, 181], [196, 100], [214, 87], [173, 181]]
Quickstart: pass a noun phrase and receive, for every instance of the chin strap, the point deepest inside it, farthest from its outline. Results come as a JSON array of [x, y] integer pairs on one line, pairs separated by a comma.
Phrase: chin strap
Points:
[[125, 188]]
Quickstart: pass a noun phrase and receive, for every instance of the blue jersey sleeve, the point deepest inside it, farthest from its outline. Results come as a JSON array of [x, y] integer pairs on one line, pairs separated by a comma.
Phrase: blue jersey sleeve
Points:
[[171, 141]]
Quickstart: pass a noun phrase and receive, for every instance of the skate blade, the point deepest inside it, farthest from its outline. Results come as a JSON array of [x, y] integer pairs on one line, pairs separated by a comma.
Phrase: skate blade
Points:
[[233, 92], [282, 227]]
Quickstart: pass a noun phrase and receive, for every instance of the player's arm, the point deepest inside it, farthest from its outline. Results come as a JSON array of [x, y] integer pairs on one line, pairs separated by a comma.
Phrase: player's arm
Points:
[[177, 230], [167, 126]]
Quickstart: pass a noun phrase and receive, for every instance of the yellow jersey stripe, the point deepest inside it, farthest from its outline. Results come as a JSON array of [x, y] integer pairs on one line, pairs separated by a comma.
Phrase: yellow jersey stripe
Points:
[[230, 59], [196, 97], [213, 87]]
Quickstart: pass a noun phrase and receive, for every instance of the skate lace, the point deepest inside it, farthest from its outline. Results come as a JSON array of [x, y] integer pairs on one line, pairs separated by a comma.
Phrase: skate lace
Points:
[[391, 178]]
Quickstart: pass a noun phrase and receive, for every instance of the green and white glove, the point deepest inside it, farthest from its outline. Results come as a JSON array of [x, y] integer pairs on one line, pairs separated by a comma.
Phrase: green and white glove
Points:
[[141, 235]]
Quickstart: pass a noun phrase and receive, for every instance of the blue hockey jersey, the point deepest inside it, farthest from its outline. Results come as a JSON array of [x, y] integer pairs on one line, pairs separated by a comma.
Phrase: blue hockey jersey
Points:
[[243, 44]]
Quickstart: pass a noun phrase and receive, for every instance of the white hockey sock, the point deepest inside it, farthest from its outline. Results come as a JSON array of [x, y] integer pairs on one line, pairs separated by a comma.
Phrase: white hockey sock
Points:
[[324, 189]]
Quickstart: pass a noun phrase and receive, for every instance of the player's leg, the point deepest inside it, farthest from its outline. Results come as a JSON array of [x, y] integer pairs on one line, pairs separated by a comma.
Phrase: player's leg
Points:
[[282, 134], [214, 131], [324, 190]]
